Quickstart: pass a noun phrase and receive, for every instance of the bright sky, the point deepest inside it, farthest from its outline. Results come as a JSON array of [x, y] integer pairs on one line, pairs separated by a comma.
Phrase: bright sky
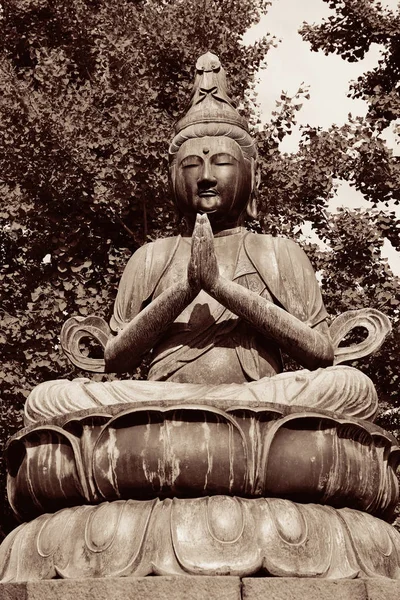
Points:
[[292, 64]]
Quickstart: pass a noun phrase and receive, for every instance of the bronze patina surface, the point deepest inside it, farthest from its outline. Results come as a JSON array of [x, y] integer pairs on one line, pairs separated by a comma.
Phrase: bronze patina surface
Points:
[[145, 452], [220, 463]]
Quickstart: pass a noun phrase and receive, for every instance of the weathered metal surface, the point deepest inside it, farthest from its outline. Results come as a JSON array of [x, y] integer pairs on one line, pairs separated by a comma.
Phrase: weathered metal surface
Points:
[[340, 389], [209, 536], [186, 451]]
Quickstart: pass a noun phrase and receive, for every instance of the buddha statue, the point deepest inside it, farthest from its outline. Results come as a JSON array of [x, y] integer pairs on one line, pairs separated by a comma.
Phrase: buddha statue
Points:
[[216, 307], [220, 463]]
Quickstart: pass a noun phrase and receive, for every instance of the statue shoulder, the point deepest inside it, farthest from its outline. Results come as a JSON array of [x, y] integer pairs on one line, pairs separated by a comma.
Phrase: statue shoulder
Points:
[[152, 257], [288, 274], [263, 247], [141, 276]]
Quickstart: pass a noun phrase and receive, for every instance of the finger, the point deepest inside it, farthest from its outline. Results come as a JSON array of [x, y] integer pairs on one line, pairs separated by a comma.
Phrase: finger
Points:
[[205, 225], [197, 226], [200, 228], [195, 245], [203, 217], [206, 230], [208, 236], [206, 221]]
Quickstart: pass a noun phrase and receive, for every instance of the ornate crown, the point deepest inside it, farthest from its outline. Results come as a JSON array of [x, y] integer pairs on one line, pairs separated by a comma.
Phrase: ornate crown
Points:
[[211, 112]]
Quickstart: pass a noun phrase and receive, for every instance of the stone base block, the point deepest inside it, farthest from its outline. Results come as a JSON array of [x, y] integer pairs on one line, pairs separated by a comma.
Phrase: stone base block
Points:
[[202, 588], [126, 588], [291, 588]]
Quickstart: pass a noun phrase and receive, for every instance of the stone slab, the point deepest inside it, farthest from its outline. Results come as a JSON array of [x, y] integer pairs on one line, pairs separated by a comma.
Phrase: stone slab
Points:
[[126, 588], [282, 588], [13, 591], [202, 588], [290, 588], [388, 589]]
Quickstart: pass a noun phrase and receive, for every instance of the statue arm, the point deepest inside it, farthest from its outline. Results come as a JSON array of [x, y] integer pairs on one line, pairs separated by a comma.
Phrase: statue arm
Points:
[[138, 319], [124, 351], [310, 346]]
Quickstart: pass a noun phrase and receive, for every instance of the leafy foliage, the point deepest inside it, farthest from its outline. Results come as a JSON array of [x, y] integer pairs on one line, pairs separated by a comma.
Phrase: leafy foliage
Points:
[[350, 31], [90, 91]]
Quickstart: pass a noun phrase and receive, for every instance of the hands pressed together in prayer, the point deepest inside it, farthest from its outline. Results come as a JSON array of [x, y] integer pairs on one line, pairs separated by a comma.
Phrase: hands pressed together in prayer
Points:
[[145, 329], [203, 272], [311, 347]]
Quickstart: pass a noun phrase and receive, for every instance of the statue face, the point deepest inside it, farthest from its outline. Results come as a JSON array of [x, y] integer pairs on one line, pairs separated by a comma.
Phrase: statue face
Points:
[[211, 176]]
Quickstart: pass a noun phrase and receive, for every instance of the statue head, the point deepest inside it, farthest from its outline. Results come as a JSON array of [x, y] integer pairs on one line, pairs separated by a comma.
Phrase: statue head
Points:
[[212, 156]]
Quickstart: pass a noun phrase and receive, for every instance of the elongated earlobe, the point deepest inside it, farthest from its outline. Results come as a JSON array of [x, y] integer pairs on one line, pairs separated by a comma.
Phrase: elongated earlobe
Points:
[[172, 179], [252, 209]]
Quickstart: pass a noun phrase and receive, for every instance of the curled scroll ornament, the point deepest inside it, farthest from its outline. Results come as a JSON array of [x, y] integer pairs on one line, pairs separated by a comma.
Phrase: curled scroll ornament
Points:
[[74, 331], [376, 323]]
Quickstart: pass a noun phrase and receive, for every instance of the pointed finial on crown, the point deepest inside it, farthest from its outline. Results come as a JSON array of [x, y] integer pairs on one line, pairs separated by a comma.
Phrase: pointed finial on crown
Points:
[[209, 101]]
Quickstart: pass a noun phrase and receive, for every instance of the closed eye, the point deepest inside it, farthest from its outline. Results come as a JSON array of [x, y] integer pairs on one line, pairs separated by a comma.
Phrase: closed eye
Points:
[[222, 160], [190, 162]]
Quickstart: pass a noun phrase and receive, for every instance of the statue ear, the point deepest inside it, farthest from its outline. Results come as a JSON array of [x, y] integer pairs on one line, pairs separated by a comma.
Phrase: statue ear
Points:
[[172, 178], [251, 209], [172, 182]]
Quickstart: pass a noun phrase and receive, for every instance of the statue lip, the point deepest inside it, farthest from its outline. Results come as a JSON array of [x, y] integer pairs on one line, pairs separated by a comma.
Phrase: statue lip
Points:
[[207, 193]]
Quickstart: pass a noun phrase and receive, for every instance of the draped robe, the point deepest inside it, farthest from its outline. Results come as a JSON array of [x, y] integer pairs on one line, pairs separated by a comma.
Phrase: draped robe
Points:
[[210, 354]]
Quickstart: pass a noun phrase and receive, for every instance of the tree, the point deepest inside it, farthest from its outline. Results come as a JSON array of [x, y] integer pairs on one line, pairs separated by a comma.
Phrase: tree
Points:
[[349, 32], [89, 94]]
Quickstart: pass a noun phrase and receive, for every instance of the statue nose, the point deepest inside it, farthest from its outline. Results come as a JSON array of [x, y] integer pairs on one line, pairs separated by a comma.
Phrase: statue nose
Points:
[[208, 83], [206, 177]]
